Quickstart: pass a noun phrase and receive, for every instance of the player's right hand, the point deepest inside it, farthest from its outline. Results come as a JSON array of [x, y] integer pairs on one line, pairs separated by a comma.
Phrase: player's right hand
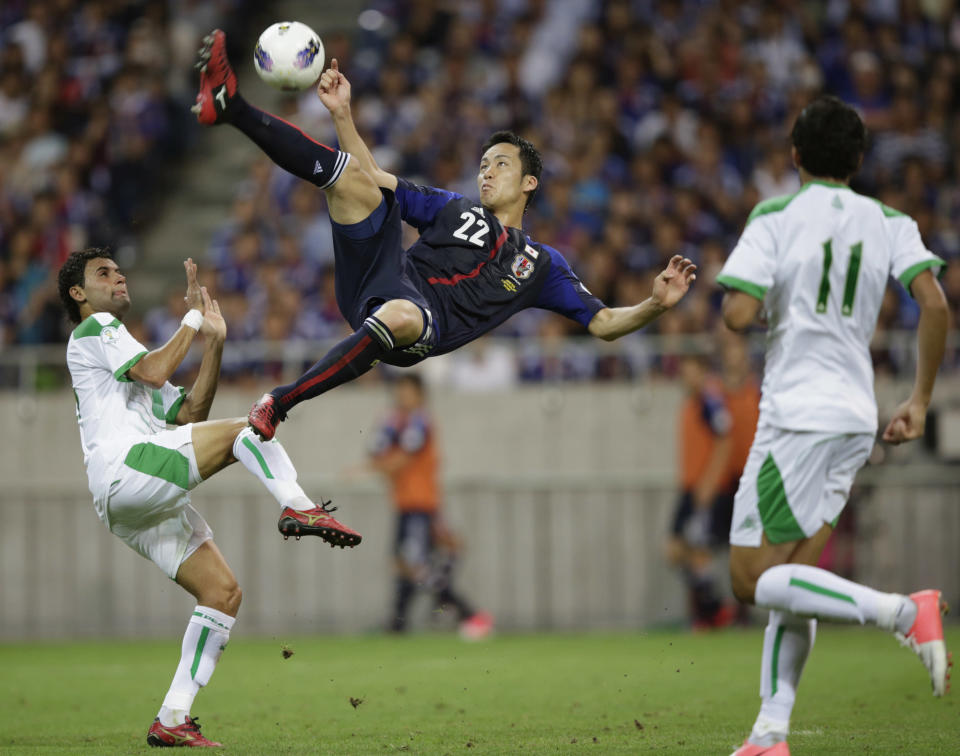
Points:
[[194, 297], [907, 423], [213, 326], [333, 88]]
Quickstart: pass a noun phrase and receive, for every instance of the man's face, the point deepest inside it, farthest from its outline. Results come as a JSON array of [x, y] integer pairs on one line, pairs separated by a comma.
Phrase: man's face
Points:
[[407, 396], [501, 180], [104, 287]]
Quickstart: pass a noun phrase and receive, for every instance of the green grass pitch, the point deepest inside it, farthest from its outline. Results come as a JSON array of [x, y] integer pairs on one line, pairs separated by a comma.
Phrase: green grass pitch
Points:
[[663, 692]]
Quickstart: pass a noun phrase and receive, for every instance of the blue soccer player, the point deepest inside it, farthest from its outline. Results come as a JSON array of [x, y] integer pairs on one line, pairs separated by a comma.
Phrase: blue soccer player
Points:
[[470, 270]]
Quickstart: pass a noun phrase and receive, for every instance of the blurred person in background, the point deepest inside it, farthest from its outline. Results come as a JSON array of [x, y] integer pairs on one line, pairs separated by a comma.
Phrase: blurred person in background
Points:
[[471, 269], [406, 452], [147, 444], [702, 517]]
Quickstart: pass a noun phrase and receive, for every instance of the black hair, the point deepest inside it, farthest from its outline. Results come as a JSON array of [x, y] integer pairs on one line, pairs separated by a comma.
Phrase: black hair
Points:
[[530, 161], [414, 379], [72, 274], [830, 138]]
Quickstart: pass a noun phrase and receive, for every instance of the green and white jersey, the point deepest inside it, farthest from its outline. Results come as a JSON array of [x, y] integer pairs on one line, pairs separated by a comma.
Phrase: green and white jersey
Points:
[[112, 409], [820, 260]]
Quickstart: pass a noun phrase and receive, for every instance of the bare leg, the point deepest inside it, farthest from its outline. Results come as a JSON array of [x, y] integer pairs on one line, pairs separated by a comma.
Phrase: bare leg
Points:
[[206, 575]]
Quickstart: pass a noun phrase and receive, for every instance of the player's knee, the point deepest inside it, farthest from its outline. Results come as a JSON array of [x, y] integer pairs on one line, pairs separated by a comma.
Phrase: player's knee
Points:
[[225, 596], [404, 319]]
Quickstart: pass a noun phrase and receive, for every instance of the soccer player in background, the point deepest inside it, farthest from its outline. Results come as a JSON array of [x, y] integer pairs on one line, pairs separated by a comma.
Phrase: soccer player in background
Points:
[[405, 451], [817, 263], [702, 517], [146, 445], [470, 270]]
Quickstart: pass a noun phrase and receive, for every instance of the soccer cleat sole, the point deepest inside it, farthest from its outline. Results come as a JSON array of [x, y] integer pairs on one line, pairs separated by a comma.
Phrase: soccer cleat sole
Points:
[[291, 527]]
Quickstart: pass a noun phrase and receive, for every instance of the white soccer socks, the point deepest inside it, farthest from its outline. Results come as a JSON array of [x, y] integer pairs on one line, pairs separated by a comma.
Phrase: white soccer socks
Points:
[[787, 641], [813, 592], [207, 634], [268, 460]]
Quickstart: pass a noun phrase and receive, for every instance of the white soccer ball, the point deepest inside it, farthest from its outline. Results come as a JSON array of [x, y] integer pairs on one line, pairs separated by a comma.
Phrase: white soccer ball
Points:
[[289, 56]]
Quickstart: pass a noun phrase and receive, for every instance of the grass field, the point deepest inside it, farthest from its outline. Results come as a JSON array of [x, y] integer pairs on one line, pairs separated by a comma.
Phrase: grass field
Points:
[[433, 694]]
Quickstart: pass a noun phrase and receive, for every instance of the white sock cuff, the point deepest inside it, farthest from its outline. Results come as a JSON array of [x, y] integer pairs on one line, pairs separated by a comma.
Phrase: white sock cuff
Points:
[[771, 586], [238, 441], [212, 618]]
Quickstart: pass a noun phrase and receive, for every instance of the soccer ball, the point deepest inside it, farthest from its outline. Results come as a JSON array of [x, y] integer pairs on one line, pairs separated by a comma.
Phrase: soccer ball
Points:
[[289, 56]]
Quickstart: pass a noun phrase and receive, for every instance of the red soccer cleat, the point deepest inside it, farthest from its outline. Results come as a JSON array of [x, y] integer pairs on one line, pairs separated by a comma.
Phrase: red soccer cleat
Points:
[[265, 415], [218, 82], [925, 638], [749, 749], [186, 735], [319, 522]]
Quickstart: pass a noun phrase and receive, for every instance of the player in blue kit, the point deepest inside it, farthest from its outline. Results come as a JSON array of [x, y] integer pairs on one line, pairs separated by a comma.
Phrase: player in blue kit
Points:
[[470, 270]]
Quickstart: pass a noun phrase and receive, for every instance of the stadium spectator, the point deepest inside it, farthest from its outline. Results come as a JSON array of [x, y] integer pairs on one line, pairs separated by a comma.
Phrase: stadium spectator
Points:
[[654, 80]]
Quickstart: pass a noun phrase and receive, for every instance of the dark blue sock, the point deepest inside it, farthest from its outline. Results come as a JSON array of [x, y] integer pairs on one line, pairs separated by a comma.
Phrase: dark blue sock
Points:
[[288, 146], [348, 360]]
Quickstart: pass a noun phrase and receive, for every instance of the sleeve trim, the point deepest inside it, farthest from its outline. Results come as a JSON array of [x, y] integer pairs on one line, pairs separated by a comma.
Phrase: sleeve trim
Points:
[[175, 407], [906, 278], [120, 372], [754, 290]]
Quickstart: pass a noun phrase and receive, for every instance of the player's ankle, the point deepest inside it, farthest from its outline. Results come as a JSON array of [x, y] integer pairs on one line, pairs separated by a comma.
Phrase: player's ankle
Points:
[[172, 717]]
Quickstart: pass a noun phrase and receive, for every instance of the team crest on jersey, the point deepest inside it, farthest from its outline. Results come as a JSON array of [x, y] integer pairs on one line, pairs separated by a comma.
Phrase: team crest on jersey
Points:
[[521, 267], [109, 335]]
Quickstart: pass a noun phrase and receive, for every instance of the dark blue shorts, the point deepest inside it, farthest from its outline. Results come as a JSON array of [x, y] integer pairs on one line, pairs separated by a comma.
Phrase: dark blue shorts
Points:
[[371, 267], [413, 540]]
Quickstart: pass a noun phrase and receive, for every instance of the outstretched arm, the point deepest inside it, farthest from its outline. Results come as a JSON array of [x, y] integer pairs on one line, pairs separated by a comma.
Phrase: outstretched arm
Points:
[[157, 366], [196, 404], [334, 92], [910, 418], [669, 287]]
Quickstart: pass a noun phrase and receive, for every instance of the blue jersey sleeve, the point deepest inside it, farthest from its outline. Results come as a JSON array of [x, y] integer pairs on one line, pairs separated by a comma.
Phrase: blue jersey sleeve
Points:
[[419, 205], [564, 293]]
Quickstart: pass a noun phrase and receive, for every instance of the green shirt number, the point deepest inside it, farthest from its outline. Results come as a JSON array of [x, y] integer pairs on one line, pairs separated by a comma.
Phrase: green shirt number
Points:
[[849, 286]]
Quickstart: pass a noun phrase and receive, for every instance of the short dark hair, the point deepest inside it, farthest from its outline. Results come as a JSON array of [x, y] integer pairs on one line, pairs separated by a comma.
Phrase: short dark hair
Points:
[[830, 138], [414, 379], [530, 161], [71, 274]]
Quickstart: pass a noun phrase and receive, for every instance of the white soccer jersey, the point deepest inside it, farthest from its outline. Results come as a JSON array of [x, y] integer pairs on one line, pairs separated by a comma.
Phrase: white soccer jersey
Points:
[[111, 408], [820, 260]]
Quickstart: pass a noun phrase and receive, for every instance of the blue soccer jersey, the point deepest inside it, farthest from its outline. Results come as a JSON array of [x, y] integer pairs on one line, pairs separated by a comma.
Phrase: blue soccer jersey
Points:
[[476, 273]]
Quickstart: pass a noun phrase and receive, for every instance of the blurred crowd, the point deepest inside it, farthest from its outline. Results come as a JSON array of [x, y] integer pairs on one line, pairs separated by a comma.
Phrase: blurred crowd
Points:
[[94, 111], [661, 125]]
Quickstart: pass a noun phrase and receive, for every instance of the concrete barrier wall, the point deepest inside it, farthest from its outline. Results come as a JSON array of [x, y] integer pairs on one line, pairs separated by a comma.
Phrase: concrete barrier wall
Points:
[[563, 495]]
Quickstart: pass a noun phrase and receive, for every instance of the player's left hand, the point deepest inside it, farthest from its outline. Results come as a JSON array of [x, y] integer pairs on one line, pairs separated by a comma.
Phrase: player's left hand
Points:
[[213, 326], [674, 281], [907, 423], [193, 298]]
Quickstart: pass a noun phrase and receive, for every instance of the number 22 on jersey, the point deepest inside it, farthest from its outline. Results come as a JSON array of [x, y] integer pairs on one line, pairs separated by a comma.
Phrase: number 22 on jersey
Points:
[[849, 286], [477, 237]]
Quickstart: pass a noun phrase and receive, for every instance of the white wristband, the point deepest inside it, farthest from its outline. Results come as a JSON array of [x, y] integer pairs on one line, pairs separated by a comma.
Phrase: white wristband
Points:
[[194, 319]]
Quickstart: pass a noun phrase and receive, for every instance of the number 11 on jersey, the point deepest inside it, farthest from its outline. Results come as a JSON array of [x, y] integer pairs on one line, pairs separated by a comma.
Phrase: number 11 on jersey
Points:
[[850, 285]]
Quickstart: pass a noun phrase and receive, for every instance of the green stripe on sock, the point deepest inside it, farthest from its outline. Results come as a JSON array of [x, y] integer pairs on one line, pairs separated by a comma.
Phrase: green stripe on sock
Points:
[[196, 657], [256, 453], [775, 660], [821, 590]]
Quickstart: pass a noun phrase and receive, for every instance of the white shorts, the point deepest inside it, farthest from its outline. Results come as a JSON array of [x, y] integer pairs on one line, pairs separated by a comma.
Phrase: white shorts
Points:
[[148, 506], [794, 482]]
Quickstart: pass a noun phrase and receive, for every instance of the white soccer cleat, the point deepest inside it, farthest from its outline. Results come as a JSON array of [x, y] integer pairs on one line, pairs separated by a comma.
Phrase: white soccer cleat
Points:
[[925, 638]]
